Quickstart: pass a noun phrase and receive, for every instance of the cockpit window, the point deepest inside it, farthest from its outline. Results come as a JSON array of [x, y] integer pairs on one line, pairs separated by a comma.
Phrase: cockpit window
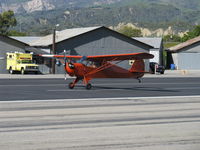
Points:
[[71, 66]]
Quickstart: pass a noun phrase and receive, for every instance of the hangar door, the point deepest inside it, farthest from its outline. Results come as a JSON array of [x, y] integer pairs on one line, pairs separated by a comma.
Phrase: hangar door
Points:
[[156, 56], [188, 61], [3, 64]]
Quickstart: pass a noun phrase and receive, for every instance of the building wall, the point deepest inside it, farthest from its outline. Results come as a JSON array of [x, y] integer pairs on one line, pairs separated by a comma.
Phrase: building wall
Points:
[[194, 48], [101, 42], [188, 61], [156, 54], [175, 60], [8, 45], [188, 58], [161, 57]]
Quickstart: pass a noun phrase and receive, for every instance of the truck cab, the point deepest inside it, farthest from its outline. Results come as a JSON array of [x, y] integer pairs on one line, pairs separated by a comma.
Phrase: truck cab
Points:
[[21, 62]]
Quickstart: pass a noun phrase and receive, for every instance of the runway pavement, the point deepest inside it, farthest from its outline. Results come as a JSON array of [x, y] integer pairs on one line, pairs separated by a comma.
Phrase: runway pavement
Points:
[[123, 124], [45, 89], [40, 113]]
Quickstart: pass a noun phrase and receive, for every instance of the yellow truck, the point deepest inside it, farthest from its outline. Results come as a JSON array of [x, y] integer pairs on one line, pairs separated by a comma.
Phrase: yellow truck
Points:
[[21, 62]]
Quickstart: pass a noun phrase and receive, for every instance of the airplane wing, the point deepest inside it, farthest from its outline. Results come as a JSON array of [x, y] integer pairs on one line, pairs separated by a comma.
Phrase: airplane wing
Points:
[[117, 57], [114, 57], [61, 56]]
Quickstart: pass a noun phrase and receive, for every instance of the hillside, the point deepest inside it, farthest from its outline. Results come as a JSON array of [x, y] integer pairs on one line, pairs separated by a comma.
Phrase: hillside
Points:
[[39, 16], [28, 6], [181, 4]]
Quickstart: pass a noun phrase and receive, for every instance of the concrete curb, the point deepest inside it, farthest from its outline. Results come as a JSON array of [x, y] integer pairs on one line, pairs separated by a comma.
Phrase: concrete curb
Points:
[[176, 74]]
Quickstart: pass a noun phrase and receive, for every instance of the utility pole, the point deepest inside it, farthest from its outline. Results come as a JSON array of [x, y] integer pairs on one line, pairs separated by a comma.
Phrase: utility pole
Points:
[[53, 50]]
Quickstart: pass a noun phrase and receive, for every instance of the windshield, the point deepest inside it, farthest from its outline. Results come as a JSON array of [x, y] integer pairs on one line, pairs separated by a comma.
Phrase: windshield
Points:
[[24, 61]]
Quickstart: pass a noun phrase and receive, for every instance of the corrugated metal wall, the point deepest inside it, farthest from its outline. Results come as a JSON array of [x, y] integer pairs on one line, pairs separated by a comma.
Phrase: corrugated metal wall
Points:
[[194, 48], [187, 58], [188, 61], [7, 45], [156, 54], [101, 42]]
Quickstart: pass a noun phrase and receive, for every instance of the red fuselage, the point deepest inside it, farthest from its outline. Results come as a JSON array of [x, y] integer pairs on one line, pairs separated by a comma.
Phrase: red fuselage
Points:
[[107, 71]]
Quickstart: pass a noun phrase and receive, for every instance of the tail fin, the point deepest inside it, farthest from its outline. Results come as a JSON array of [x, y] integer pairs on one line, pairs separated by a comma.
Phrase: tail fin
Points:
[[138, 66]]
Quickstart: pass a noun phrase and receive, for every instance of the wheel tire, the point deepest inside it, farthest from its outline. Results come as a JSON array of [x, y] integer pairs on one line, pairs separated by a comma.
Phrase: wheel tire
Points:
[[22, 71], [71, 85], [11, 71], [88, 86]]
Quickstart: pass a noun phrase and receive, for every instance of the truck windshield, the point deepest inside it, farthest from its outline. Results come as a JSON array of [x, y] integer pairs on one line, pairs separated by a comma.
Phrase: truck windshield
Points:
[[25, 61]]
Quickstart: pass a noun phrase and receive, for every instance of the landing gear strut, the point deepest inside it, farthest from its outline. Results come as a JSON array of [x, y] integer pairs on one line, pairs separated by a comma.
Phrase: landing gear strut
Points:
[[85, 81], [72, 84], [139, 80]]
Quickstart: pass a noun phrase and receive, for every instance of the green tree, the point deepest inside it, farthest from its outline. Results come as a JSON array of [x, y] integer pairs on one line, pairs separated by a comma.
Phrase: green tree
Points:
[[7, 20], [16, 33], [172, 38], [192, 34], [130, 31]]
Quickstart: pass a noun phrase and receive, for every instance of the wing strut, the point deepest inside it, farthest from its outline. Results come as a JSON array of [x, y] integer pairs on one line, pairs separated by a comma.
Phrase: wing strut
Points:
[[104, 66]]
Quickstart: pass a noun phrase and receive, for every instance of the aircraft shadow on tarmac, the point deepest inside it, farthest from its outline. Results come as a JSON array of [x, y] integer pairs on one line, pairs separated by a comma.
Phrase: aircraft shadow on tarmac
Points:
[[156, 89]]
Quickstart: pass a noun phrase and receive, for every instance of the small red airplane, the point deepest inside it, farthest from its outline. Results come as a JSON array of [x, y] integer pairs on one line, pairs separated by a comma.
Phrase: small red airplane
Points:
[[100, 66]]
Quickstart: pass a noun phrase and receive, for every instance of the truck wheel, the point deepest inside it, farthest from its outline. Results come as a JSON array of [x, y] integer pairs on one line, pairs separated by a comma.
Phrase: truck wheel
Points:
[[22, 71], [11, 71]]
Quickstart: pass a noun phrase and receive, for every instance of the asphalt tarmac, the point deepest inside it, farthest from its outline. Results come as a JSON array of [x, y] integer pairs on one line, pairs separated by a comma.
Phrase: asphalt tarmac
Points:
[[117, 124], [46, 89], [117, 114]]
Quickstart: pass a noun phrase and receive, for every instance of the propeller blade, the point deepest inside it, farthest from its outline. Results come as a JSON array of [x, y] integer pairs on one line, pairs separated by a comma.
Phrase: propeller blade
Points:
[[65, 61]]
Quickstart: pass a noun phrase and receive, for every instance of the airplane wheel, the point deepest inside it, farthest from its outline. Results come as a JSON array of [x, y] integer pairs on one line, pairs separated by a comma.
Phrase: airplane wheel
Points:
[[88, 86], [71, 85]]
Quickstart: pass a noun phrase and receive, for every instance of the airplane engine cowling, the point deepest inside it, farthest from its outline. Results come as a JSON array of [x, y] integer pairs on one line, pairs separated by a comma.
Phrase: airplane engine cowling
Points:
[[70, 69]]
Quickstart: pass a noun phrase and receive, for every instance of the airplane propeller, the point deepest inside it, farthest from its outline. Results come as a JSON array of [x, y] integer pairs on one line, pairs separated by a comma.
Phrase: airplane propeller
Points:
[[70, 63], [65, 61]]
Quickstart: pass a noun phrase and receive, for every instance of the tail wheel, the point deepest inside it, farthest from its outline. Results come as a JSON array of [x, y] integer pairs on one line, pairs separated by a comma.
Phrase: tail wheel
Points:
[[88, 86], [71, 85], [139, 80], [22, 71]]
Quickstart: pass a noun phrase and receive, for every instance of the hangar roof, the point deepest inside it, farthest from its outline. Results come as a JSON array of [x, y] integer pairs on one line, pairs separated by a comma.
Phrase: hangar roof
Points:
[[155, 42], [9, 38], [26, 48], [67, 34], [184, 44], [25, 39], [61, 35]]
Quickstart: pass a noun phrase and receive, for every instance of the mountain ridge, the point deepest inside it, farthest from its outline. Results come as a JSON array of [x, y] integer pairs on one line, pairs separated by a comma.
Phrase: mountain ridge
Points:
[[180, 15], [29, 6]]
